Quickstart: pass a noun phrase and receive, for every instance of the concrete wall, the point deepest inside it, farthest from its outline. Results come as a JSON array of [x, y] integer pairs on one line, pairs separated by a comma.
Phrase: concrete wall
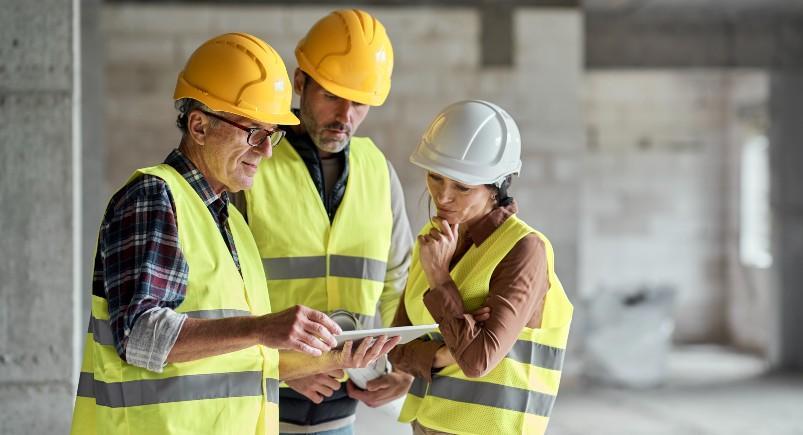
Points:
[[786, 155], [436, 63], [37, 292], [52, 190], [656, 192]]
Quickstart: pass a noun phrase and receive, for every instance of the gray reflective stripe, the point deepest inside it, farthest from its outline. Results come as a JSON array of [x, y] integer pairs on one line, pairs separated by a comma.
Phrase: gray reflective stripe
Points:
[[216, 314], [175, 389], [528, 352], [272, 390], [497, 396], [357, 267], [102, 332], [295, 267], [86, 385], [537, 354], [418, 388], [315, 267]]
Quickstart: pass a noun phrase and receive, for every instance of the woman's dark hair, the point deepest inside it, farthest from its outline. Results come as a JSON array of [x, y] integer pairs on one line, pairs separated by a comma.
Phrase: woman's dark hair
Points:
[[500, 192]]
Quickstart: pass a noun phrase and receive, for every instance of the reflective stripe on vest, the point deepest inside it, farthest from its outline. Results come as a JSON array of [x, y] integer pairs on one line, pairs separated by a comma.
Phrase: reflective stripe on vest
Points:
[[236, 392], [309, 260], [529, 352], [517, 395], [177, 389], [315, 267]]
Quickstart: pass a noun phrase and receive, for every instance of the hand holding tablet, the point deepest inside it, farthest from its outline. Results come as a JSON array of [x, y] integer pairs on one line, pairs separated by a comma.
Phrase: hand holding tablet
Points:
[[407, 333]]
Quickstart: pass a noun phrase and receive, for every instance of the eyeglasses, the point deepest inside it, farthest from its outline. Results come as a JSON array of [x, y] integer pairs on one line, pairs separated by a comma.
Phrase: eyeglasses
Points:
[[256, 135]]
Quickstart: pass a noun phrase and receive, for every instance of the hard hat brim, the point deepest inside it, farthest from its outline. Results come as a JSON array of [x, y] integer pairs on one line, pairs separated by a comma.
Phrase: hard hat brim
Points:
[[460, 175], [184, 90]]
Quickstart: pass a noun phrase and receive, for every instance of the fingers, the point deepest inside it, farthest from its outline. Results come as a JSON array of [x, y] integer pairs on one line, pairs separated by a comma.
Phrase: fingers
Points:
[[450, 231], [361, 352], [390, 344], [307, 388], [305, 348], [367, 397], [373, 352], [369, 349], [326, 384], [345, 353], [321, 327], [311, 395], [482, 314], [337, 374], [379, 383], [355, 392], [310, 343], [479, 318], [325, 321]]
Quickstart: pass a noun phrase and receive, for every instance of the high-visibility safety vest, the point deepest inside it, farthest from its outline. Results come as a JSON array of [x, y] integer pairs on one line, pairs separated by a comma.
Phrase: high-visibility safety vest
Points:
[[517, 395], [310, 261], [233, 393]]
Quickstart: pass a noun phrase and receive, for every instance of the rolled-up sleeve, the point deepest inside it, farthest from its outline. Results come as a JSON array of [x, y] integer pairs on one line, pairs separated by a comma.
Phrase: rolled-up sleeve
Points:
[[144, 272]]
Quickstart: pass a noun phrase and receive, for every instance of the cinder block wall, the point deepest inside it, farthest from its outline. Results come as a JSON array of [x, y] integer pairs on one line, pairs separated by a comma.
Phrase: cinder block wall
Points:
[[436, 63], [661, 195]]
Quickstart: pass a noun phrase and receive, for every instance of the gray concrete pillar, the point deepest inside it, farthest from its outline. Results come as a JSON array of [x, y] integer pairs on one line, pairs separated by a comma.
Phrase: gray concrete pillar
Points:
[[44, 269], [786, 163]]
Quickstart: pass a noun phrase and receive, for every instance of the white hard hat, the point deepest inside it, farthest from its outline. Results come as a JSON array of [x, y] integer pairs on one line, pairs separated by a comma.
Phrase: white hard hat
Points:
[[474, 142]]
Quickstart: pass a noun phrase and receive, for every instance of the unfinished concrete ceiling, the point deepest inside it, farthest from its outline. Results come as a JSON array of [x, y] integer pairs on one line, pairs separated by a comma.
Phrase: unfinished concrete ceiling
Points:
[[694, 33]]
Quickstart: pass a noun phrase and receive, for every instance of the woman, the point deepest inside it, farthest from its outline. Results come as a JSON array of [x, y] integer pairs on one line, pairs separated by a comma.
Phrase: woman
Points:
[[488, 279]]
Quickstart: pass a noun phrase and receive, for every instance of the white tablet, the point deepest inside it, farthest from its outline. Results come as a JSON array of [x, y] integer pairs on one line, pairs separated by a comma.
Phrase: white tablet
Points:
[[407, 333]]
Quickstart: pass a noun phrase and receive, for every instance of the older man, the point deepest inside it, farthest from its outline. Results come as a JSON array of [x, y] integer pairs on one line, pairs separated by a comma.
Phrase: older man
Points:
[[181, 320], [327, 211]]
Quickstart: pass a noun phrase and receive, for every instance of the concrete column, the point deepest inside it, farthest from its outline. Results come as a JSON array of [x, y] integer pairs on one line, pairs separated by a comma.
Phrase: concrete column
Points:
[[43, 266], [786, 160]]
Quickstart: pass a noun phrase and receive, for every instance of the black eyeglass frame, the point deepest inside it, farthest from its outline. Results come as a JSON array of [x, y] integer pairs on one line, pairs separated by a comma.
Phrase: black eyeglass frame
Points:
[[274, 141]]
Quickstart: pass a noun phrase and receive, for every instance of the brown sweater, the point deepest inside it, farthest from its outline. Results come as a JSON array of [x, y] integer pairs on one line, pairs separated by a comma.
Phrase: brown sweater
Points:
[[516, 298]]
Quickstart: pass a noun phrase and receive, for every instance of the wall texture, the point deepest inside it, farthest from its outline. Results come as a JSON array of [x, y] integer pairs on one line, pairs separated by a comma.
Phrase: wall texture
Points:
[[436, 63], [36, 190], [659, 188]]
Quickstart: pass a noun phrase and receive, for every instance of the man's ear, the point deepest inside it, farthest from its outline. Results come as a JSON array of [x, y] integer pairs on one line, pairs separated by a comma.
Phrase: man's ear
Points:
[[299, 79], [197, 124]]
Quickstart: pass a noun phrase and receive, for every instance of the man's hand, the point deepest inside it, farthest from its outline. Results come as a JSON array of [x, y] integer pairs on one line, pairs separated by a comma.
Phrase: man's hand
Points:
[[366, 353], [317, 387], [381, 390], [298, 328]]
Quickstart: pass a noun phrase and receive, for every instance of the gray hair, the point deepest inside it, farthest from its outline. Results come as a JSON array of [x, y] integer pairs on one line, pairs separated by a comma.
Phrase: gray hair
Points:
[[184, 107]]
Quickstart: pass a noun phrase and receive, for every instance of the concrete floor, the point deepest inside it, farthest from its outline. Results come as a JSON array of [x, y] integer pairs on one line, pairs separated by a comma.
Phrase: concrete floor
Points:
[[709, 391]]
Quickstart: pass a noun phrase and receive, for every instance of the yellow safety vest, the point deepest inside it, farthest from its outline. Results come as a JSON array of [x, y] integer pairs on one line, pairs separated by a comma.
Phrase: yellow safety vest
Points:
[[517, 395], [233, 393], [309, 261]]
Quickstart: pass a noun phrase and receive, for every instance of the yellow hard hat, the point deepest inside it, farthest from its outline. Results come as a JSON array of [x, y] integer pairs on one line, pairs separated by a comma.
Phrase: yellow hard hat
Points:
[[348, 53], [240, 74]]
